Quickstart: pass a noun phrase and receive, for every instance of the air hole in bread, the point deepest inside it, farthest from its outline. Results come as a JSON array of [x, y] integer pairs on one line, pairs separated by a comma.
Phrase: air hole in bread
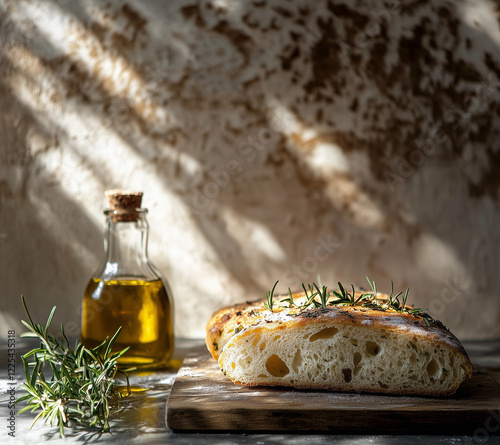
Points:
[[432, 368], [347, 373], [256, 340], [262, 346], [356, 359], [324, 333], [276, 367], [233, 365], [354, 341], [382, 385], [297, 361], [413, 358], [372, 348]]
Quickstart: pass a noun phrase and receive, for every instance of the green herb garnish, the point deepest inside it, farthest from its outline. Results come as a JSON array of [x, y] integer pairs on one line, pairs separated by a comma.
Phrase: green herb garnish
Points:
[[324, 295], [347, 298], [289, 299], [373, 287], [83, 381], [269, 297], [342, 297], [400, 306]]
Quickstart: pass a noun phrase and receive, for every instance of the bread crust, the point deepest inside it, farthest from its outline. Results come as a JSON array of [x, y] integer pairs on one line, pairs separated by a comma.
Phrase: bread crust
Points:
[[231, 324]]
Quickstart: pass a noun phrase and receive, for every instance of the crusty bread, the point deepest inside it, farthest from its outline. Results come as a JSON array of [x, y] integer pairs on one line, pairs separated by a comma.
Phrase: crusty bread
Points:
[[346, 348]]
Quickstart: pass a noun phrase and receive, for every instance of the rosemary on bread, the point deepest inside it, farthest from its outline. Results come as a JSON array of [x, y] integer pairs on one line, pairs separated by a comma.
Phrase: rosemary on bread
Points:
[[322, 298]]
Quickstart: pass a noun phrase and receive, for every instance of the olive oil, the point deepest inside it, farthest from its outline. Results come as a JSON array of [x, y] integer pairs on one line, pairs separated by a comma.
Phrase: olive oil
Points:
[[143, 310], [127, 291]]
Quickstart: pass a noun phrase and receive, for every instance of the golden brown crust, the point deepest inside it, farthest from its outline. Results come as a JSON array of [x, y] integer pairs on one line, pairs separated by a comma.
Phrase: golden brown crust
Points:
[[226, 321]]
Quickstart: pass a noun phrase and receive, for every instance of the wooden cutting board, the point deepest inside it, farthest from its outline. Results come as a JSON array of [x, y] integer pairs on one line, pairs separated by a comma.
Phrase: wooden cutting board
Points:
[[203, 399]]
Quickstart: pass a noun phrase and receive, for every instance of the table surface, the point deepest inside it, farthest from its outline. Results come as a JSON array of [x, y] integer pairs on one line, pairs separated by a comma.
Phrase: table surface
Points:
[[142, 418]]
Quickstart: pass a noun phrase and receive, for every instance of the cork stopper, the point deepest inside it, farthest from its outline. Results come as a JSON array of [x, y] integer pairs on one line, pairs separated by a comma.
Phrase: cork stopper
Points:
[[124, 204]]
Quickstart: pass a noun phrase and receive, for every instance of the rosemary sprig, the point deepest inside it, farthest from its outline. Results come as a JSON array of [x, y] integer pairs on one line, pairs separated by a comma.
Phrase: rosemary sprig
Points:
[[347, 298], [324, 295], [309, 297], [400, 306], [83, 381], [393, 301], [289, 299], [270, 298], [373, 287]]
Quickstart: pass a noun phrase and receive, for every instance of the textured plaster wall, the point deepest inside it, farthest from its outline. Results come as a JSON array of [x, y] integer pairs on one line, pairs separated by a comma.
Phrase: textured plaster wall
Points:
[[273, 140]]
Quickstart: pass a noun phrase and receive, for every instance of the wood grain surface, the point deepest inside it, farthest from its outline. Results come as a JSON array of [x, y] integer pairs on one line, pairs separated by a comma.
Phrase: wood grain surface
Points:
[[203, 399]]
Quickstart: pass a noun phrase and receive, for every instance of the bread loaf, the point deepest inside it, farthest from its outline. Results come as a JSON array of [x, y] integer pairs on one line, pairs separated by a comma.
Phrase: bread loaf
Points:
[[367, 346]]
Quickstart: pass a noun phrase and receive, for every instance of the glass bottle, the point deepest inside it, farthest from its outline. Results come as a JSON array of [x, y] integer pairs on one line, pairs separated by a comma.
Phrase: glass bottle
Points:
[[127, 290]]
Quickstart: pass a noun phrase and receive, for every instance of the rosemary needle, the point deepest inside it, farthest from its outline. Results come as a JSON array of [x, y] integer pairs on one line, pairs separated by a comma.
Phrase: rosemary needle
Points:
[[269, 297], [83, 381]]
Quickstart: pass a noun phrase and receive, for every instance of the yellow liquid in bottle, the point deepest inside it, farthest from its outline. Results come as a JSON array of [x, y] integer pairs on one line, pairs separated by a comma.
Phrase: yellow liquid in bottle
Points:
[[144, 311]]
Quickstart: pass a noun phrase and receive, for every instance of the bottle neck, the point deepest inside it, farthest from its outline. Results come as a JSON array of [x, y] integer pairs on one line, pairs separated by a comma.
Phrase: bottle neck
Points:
[[126, 248]]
